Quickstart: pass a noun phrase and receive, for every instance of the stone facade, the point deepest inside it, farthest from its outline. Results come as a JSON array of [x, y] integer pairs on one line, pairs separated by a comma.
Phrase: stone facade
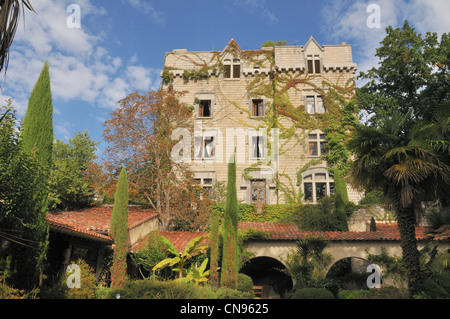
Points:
[[228, 116]]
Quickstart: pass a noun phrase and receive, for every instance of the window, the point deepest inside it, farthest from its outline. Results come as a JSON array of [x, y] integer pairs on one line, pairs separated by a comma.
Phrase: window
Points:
[[204, 147], [232, 69], [257, 108], [204, 108], [258, 191], [206, 184], [317, 145], [314, 104], [257, 147], [317, 184], [314, 64]]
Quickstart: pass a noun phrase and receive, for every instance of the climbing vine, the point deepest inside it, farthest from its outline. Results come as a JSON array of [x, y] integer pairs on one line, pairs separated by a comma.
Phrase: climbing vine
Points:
[[281, 112]]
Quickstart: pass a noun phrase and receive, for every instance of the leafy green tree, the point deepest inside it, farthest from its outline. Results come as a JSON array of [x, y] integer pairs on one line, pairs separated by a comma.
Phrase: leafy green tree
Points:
[[230, 258], [150, 255], [69, 188], [119, 231], [398, 157], [412, 75], [22, 188], [404, 149]]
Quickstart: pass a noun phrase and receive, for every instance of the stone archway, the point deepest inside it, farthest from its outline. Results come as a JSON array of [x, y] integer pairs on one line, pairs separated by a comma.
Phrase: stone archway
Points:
[[268, 273], [350, 271]]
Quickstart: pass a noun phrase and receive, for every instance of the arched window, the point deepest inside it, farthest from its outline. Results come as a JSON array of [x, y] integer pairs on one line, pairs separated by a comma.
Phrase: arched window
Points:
[[232, 68], [317, 183]]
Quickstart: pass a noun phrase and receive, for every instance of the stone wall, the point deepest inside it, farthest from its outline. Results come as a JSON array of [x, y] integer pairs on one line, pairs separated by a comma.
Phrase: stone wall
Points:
[[360, 220]]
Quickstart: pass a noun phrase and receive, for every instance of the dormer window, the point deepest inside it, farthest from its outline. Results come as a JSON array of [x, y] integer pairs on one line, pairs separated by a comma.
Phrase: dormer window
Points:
[[314, 64], [232, 69]]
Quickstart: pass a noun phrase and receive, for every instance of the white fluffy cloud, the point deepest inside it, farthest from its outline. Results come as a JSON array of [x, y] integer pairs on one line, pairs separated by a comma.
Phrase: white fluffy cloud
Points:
[[347, 21], [80, 67]]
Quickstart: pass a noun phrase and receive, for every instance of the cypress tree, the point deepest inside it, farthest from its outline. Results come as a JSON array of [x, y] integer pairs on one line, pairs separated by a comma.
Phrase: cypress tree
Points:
[[119, 231], [37, 130], [373, 225], [229, 270], [214, 241], [341, 199], [37, 139]]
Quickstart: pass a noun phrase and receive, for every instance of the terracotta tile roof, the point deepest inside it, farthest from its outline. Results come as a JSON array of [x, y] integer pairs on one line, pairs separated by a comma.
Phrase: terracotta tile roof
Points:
[[385, 232], [95, 221], [179, 239]]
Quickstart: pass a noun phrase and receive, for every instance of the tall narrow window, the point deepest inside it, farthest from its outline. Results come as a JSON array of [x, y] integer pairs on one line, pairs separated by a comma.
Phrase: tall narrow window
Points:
[[320, 107], [257, 147], [204, 147], [204, 108], [258, 192], [314, 64], [236, 68], [257, 108], [317, 144], [310, 105], [232, 69], [209, 147], [314, 104]]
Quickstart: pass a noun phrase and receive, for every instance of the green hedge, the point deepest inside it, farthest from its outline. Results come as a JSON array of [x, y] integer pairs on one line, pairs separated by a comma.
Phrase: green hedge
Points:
[[245, 283], [312, 293], [386, 292], [270, 213], [153, 289]]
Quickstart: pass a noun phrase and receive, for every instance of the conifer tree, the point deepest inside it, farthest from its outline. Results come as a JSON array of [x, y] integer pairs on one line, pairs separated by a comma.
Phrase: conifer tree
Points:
[[37, 131], [119, 231], [214, 240], [341, 199], [37, 139], [229, 269]]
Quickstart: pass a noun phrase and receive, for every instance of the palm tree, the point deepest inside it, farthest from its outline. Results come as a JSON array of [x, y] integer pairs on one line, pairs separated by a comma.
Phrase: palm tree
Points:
[[9, 18], [400, 158]]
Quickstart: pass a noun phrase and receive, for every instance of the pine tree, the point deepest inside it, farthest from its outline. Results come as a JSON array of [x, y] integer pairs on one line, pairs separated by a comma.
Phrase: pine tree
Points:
[[119, 231], [229, 270], [37, 139]]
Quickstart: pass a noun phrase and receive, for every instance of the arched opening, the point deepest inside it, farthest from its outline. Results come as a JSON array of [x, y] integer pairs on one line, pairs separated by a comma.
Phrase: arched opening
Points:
[[350, 272], [268, 273]]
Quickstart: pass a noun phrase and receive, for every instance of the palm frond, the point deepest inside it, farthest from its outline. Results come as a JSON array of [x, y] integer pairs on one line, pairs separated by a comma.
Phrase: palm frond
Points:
[[9, 18]]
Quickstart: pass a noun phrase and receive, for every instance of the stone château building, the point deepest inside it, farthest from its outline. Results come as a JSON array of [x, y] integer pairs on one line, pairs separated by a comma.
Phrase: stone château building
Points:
[[267, 106]]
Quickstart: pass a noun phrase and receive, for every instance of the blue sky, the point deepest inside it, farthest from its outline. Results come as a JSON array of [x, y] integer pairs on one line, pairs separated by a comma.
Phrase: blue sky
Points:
[[121, 43]]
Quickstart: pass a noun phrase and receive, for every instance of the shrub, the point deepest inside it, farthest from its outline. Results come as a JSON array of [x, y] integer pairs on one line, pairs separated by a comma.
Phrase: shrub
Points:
[[88, 283], [245, 283], [153, 289], [353, 294], [372, 197], [320, 217], [312, 293], [227, 293], [385, 292]]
